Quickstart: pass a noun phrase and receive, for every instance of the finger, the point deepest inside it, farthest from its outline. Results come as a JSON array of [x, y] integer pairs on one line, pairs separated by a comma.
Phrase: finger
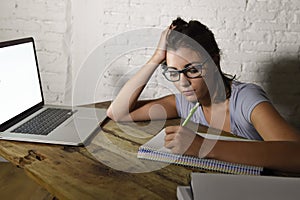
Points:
[[168, 144], [171, 129], [169, 137], [171, 144]]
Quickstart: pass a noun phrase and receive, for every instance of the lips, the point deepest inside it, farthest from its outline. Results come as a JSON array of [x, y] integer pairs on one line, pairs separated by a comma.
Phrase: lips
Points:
[[188, 92]]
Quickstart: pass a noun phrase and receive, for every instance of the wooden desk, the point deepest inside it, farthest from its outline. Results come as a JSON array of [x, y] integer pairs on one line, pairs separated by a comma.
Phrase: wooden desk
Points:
[[76, 172]]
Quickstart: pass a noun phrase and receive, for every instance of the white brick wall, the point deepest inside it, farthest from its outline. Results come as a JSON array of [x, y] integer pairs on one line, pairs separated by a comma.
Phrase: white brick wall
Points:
[[259, 40], [48, 22]]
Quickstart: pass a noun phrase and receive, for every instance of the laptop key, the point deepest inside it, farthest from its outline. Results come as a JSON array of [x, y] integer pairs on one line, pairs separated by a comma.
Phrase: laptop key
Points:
[[45, 122]]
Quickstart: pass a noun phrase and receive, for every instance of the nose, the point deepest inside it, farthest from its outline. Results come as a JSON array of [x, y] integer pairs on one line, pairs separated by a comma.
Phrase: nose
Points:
[[184, 81]]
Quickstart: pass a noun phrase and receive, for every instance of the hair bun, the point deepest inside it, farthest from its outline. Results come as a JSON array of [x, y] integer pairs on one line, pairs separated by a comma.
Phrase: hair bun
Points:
[[179, 24]]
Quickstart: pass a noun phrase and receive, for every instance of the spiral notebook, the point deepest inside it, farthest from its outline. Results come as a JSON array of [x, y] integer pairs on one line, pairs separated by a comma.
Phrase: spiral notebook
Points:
[[154, 150]]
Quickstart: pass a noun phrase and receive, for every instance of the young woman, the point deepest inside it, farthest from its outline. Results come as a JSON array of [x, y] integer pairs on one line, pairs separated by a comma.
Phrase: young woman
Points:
[[192, 62]]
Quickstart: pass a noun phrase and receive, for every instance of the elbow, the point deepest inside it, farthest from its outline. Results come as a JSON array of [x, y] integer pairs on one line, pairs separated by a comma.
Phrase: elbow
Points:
[[115, 116], [109, 113]]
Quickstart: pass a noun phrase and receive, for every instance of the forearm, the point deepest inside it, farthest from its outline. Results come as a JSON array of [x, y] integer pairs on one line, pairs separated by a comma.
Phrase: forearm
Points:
[[278, 155], [125, 101]]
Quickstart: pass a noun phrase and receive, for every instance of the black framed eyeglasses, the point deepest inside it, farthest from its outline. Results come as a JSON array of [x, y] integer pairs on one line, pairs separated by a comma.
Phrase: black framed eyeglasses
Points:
[[191, 70]]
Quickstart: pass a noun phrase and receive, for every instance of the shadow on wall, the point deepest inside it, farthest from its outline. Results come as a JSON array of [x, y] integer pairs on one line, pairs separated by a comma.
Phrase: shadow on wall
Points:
[[283, 88]]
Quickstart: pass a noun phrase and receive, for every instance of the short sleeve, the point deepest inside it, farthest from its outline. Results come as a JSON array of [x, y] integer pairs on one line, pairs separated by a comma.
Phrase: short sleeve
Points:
[[250, 95]]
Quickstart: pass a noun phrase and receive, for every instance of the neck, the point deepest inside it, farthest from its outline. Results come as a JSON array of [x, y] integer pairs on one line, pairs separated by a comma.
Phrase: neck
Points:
[[217, 115], [205, 101]]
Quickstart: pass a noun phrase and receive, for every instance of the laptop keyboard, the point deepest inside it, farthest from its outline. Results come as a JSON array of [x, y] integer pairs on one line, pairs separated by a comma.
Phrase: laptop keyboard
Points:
[[45, 122]]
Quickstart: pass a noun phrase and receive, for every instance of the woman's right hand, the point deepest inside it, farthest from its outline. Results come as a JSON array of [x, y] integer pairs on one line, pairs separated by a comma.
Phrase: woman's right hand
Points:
[[160, 52], [125, 106]]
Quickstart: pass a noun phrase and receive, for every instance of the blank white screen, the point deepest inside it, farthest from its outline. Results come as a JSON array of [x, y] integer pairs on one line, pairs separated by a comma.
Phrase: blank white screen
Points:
[[19, 83]]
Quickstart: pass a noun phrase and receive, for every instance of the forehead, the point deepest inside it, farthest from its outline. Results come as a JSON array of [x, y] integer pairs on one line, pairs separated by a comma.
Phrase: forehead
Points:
[[183, 56]]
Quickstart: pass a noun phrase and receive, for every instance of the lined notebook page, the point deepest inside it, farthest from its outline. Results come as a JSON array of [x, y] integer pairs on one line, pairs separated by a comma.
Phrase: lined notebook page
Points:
[[154, 150], [157, 142]]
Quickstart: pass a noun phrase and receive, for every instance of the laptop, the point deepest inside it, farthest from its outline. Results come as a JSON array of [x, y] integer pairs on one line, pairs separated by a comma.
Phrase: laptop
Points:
[[209, 186], [23, 113]]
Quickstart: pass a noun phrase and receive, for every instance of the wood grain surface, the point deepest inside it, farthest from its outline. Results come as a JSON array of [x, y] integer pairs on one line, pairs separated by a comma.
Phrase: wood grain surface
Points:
[[105, 168], [15, 185]]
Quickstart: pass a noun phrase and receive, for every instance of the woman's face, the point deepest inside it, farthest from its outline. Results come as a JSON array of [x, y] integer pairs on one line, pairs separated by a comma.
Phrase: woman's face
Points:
[[193, 89]]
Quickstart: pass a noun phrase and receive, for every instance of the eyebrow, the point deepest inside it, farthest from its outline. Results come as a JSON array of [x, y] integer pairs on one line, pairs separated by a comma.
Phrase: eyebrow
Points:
[[199, 63], [185, 66]]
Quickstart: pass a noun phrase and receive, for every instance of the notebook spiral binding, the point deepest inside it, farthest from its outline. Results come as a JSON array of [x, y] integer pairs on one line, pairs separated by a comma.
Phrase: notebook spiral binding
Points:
[[201, 163]]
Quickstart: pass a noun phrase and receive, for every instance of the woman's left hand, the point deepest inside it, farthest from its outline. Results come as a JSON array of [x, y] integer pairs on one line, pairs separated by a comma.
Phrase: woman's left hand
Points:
[[182, 140]]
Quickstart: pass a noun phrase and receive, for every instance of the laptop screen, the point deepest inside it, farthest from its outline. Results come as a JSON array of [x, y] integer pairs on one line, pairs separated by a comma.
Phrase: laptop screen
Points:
[[19, 79]]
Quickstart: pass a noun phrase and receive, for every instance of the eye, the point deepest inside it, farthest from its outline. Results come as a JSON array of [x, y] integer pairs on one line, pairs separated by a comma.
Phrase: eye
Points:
[[193, 70], [173, 73]]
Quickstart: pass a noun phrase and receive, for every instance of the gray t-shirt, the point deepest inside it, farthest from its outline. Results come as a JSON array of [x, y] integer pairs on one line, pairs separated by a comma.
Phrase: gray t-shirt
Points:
[[244, 97]]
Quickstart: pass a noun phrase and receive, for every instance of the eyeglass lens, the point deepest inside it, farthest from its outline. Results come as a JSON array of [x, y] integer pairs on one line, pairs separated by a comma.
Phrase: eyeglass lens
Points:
[[192, 71]]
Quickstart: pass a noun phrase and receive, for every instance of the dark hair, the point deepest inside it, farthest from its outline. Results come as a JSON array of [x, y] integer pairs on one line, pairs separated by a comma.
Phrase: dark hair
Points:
[[195, 32]]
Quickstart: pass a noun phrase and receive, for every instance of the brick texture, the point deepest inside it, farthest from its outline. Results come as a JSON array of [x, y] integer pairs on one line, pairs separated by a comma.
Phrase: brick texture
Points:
[[47, 22], [259, 40]]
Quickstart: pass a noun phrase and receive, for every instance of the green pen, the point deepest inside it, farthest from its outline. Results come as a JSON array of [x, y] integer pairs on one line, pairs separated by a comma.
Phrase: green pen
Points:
[[192, 111]]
